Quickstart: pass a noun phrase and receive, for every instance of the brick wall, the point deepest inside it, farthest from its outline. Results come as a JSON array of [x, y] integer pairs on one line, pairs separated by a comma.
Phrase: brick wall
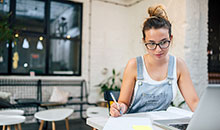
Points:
[[196, 42]]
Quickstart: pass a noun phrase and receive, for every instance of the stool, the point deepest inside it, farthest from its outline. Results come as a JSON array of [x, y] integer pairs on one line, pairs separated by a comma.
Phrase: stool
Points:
[[12, 112], [97, 112], [54, 115], [8, 120]]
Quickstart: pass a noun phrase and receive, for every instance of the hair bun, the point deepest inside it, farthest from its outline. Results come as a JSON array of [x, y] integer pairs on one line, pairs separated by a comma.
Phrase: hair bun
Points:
[[157, 11]]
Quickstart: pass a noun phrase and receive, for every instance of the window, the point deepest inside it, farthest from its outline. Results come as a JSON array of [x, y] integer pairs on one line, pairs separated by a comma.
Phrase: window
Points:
[[3, 57], [213, 45], [4, 6], [4, 45], [28, 54], [30, 14], [47, 37]]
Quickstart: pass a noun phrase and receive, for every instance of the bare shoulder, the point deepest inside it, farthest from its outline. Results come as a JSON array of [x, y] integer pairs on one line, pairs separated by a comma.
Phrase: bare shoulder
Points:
[[181, 66], [180, 61], [131, 68], [132, 63]]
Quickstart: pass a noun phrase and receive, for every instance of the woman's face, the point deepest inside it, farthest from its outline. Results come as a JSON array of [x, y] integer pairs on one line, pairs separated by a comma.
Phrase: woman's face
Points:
[[153, 38]]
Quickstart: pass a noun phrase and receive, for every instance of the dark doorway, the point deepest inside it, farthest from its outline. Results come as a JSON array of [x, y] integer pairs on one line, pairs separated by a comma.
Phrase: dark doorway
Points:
[[214, 42]]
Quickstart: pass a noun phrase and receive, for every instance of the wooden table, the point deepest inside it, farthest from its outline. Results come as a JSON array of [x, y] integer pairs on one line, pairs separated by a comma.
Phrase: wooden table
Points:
[[98, 123], [12, 112], [8, 120], [54, 115]]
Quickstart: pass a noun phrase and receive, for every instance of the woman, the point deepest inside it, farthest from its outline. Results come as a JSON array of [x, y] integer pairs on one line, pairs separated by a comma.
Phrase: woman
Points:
[[150, 82]]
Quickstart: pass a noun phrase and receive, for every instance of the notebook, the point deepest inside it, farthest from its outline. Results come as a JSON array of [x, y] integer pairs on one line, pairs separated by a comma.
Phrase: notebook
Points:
[[128, 123], [170, 113], [205, 117]]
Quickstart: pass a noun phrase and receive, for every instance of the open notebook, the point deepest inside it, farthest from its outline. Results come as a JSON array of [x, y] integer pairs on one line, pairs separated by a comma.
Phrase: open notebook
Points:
[[139, 121], [170, 113]]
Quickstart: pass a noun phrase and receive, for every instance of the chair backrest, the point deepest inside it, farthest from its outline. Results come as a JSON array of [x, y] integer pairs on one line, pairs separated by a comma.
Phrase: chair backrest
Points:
[[4, 103], [108, 98]]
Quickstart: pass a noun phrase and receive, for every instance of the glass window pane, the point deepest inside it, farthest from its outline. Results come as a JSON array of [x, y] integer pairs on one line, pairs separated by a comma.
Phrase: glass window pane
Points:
[[30, 15], [214, 38], [6, 33], [64, 57], [65, 20], [4, 57], [4, 18], [28, 54], [4, 6]]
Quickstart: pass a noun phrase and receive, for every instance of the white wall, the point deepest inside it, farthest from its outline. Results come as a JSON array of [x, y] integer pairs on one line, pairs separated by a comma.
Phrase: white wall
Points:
[[177, 19], [196, 42], [110, 43]]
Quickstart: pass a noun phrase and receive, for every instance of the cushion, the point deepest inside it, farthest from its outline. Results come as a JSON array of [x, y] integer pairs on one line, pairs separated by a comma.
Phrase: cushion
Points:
[[5, 95], [59, 95]]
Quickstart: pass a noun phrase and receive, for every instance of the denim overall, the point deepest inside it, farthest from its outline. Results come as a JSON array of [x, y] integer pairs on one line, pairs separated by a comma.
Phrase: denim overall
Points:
[[152, 97]]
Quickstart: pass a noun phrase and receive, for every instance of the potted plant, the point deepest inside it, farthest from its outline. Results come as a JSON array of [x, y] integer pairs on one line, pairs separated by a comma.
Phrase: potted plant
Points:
[[111, 84], [6, 32]]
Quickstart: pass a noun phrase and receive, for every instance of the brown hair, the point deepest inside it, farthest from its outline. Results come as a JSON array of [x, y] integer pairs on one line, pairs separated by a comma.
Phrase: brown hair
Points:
[[158, 19]]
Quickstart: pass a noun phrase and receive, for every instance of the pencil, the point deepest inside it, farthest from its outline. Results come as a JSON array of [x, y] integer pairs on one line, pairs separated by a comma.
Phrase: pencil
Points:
[[116, 102]]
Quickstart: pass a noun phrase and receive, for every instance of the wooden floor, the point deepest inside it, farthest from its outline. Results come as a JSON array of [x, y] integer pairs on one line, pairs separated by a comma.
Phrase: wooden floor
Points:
[[74, 124]]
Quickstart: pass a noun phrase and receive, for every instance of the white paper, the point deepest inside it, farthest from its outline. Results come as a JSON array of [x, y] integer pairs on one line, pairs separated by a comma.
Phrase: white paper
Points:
[[179, 111], [171, 113], [126, 123]]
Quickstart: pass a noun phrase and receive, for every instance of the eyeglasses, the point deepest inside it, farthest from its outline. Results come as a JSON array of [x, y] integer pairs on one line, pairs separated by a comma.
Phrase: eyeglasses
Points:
[[163, 45]]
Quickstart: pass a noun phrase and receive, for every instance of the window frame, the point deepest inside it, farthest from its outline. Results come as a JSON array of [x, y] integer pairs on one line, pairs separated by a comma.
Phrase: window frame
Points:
[[47, 36]]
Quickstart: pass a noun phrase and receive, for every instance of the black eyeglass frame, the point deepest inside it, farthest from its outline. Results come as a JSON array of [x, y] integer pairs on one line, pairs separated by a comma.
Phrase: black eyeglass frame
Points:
[[158, 44]]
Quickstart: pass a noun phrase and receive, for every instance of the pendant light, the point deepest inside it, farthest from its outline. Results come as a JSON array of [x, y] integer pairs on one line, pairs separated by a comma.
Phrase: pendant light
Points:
[[25, 44], [39, 44]]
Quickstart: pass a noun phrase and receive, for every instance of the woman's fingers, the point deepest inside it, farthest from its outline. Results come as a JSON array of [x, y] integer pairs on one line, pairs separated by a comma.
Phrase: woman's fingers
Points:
[[114, 110], [123, 107]]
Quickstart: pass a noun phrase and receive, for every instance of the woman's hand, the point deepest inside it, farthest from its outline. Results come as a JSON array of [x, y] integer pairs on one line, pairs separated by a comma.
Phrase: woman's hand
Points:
[[115, 109]]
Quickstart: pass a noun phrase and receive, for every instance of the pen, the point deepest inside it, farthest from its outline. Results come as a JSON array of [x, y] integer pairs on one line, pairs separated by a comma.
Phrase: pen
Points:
[[116, 102]]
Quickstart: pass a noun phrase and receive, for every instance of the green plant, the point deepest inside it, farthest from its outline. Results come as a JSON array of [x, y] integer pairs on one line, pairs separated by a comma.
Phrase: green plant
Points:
[[6, 32], [111, 83]]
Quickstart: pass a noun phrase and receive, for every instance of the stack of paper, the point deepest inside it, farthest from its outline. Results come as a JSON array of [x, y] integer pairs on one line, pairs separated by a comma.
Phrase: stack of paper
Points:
[[128, 123]]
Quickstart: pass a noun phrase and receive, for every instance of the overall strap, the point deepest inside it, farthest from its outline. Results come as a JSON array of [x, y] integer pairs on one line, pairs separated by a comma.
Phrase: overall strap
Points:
[[170, 67], [139, 68]]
